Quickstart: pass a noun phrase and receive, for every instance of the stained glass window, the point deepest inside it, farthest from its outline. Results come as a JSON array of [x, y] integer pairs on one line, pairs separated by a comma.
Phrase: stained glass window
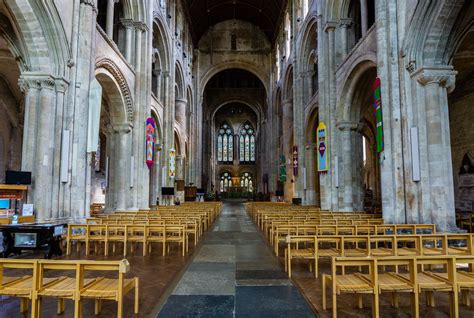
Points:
[[225, 144], [226, 181], [246, 182], [247, 144]]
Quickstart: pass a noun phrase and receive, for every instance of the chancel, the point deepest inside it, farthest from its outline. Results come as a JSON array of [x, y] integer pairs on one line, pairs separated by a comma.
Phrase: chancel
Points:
[[210, 158]]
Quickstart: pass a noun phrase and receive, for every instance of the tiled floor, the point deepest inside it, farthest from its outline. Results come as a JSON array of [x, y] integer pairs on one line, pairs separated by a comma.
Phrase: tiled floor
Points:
[[235, 274]]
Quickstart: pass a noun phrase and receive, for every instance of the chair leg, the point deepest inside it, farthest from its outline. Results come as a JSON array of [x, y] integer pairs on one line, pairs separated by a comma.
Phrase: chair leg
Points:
[[360, 303], [78, 308], [120, 308], [23, 305], [68, 247], [286, 260], [454, 304], [415, 299], [375, 305], [60, 306], [137, 297], [334, 304], [98, 307], [324, 292]]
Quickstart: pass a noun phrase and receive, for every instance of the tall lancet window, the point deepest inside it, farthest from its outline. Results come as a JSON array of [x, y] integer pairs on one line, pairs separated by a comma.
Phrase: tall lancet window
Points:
[[247, 144], [225, 182], [246, 182], [225, 144]]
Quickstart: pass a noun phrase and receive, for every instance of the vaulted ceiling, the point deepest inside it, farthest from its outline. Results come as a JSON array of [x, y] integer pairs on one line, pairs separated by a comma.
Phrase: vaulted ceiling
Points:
[[264, 13]]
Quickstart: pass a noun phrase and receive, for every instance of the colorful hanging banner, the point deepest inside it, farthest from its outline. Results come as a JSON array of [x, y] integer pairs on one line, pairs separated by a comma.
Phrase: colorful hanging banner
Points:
[[295, 161], [282, 168], [379, 135], [322, 142], [150, 142], [172, 167]]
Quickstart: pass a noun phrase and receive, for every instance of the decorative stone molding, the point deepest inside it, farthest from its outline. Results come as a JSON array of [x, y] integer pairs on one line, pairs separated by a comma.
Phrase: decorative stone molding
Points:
[[411, 67], [61, 85], [110, 66], [28, 83], [444, 76], [127, 23]]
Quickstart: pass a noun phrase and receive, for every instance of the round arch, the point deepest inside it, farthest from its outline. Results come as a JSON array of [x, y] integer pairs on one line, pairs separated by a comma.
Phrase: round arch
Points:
[[217, 68]]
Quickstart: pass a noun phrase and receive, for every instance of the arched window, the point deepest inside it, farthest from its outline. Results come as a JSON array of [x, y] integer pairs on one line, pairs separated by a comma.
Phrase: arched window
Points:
[[246, 182], [225, 182], [225, 144], [247, 144]]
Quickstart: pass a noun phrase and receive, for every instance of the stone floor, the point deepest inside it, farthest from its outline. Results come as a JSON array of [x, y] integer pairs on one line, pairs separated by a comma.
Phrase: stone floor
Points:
[[235, 274]]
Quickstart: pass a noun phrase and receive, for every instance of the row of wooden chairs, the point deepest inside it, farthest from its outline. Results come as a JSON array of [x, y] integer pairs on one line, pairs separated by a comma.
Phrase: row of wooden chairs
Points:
[[375, 275], [103, 234], [312, 247], [279, 232], [43, 282]]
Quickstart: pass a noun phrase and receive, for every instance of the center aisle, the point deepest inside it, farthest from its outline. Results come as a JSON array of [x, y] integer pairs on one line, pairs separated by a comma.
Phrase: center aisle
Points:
[[235, 274]]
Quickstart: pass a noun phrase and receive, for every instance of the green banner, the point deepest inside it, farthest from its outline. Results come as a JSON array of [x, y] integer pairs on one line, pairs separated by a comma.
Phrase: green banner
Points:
[[282, 168], [379, 136]]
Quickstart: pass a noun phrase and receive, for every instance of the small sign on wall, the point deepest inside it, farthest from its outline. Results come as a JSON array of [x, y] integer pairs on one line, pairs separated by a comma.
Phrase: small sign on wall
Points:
[[322, 142]]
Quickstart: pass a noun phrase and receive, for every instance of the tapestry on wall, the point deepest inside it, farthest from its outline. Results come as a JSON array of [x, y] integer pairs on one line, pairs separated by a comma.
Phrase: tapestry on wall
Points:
[[379, 135], [150, 142], [282, 168], [322, 142], [172, 167]]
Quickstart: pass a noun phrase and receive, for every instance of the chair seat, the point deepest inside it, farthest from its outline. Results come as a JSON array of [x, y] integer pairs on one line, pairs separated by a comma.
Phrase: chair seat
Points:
[[354, 252], [64, 287], [458, 250], [302, 253], [432, 251], [381, 251], [406, 251], [329, 252], [431, 281], [353, 284], [23, 287], [392, 282], [106, 288]]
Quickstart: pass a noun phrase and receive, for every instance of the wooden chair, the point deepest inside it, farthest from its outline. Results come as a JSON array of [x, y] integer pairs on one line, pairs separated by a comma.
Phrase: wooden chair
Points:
[[308, 251], [116, 234], [353, 283], [136, 234], [76, 233], [96, 234], [156, 234], [176, 234]]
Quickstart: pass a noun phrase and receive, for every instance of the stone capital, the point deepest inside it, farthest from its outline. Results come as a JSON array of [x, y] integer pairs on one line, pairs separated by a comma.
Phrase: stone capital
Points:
[[61, 85], [444, 76], [350, 126], [180, 101], [120, 128], [345, 23], [140, 26], [127, 23], [330, 26]]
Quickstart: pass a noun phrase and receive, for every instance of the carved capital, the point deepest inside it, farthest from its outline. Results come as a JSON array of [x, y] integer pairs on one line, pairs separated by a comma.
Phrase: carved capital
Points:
[[120, 128], [345, 23], [61, 85], [140, 26], [29, 83], [350, 126], [127, 23], [444, 76], [330, 26]]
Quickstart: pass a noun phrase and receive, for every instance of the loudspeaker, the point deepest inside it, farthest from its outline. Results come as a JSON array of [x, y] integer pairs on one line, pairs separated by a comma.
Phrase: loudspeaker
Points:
[[17, 177]]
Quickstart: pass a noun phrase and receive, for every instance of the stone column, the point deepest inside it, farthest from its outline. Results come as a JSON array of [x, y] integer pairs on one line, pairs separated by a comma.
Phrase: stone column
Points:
[[436, 82], [364, 17], [350, 168], [344, 25], [122, 165], [311, 175], [109, 29], [43, 172], [287, 122], [128, 24], [31, 88], [329, 197]]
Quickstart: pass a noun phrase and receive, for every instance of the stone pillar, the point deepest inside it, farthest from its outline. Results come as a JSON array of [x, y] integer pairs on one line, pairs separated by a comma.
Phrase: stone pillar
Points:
[[122, 165], [312, 195], [329, 198], [437, 175], [128, 24], [344, 25], [364, 17], [287, 123], [109, 29]]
